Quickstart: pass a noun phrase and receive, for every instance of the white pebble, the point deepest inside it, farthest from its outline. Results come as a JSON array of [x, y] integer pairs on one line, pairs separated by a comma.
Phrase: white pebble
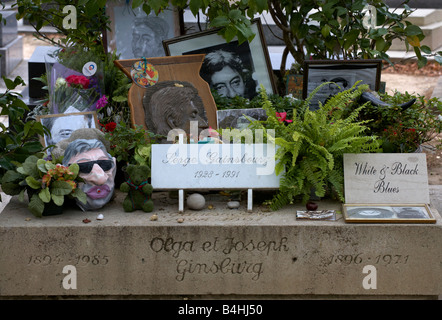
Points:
[[196, 201], [100, 217], [233, 204]]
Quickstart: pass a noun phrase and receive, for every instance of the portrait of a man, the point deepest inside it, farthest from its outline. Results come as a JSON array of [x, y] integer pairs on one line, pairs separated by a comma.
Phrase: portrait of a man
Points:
[[139, 35], [148, 34], [228, 69], [97, 169], [61, 126], [173, 105]]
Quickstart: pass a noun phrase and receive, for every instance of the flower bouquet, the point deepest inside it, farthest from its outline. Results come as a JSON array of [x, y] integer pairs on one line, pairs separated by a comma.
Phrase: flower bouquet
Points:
[[71, 91], [76, 82]]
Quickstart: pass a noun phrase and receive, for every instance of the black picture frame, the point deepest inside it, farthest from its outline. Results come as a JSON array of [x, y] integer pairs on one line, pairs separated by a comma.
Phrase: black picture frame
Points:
[[345, 73], [254, 54]]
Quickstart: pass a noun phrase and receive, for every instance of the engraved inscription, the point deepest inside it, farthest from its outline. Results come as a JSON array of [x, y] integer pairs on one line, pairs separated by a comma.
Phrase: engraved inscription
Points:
[[230, 254], [361, 258], [81, 260]]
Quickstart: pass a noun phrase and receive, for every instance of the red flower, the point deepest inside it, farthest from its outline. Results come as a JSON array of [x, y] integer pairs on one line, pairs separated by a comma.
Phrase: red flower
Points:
[[282, 116], [80, 80], [110, 126]]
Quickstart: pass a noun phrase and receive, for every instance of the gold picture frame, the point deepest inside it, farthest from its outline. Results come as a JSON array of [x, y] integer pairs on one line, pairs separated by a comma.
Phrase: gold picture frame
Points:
[[387, 213]]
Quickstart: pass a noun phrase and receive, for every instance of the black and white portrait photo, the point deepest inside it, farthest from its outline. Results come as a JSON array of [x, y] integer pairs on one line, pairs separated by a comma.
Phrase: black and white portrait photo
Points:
[[239, 118], [232, 69], [61, 126], [342, 75], [138, 35], [228, 69]]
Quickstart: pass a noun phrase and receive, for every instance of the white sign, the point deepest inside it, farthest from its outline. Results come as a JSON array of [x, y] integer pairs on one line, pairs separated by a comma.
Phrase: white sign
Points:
[[214, 166], [393, 178]]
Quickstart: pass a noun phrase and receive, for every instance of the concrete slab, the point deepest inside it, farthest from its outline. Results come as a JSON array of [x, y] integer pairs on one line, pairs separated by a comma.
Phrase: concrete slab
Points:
[[217, 252], [11, 55]]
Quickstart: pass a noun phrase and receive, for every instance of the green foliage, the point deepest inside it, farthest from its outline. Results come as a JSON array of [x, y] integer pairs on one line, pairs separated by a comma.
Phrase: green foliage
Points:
[[131, 145], [92, 22], [403, 130], [280, 104], [44, 181], [322, 29], [20, 139], [311, 147]]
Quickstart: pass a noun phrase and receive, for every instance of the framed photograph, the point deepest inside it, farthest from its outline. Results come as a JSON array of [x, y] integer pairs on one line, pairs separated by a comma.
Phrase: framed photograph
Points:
[[232, 69], [239, 118], [134, 34], [380, 213], [62, 125], [343, 73]]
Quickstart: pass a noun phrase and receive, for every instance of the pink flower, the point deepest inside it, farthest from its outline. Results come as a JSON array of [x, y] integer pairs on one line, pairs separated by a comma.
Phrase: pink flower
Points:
[[101, 102], [282, 116]]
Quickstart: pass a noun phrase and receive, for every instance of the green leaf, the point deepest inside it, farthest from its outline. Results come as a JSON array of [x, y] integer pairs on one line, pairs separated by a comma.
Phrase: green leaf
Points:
[[33, 183], [136, 3], [119, 98], [235, 14], [60, 188], [75, 168], [49, 165], [45, 195], [195, 6], [36, 206], [426, 49], [11, 176], [220, 21], [422, 62], [325, 31], [413, 30], [58, 200], [80, 195], [10, 85], [438, 59], [41, 165]]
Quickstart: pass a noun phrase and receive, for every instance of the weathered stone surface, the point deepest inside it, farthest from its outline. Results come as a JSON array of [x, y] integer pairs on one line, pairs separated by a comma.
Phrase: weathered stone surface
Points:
[[8, 30], [11, 55], [214, 252]]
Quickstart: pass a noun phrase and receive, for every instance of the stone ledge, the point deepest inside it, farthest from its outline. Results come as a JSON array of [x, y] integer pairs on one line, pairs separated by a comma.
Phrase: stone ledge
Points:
[[217, 252]]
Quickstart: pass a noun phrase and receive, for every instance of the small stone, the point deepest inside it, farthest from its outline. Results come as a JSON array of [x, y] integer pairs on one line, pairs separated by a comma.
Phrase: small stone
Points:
[[153, 217], [233, 204], [100, 217], [180, 220], [86, 220], [196, 201], [210, 207]]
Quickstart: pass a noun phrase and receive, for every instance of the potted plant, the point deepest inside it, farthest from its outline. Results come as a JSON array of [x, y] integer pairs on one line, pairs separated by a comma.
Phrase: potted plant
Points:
[[46, 183], [312, 144]]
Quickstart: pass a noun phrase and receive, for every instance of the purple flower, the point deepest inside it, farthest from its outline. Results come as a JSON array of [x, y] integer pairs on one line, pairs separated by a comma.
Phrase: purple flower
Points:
[[101, 102]]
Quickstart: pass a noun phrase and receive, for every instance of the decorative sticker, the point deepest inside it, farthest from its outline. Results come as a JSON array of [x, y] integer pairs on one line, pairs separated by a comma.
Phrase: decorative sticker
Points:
[[144, 74]]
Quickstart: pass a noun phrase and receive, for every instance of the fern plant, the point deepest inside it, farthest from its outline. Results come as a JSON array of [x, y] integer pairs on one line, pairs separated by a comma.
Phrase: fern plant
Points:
[[311, 147]]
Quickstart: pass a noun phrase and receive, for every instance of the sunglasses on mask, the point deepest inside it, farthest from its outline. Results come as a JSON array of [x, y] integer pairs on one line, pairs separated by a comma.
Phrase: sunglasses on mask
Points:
[[86, 167]]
